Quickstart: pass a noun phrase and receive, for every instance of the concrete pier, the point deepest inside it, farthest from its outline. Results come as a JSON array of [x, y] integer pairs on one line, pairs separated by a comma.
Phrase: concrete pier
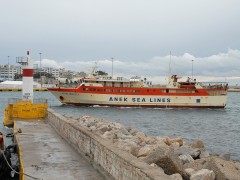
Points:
[[45, 155]]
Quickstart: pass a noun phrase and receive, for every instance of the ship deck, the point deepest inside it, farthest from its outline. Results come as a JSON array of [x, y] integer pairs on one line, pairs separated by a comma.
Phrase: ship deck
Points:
[[45, 155]]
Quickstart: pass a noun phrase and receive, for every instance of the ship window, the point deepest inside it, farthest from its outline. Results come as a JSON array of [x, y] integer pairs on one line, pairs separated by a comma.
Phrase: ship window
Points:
[[147, 90], [167, 90], [84, 89]]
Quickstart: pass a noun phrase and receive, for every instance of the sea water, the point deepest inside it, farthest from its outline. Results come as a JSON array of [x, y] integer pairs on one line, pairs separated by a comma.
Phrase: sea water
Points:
[[219, 129]]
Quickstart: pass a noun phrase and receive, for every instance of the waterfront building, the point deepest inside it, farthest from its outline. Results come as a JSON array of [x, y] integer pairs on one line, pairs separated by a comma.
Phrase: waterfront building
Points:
[[8, 72]]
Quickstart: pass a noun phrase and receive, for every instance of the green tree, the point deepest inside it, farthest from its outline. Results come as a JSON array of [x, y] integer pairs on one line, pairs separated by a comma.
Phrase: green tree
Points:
[[101, 73], [17, 76]]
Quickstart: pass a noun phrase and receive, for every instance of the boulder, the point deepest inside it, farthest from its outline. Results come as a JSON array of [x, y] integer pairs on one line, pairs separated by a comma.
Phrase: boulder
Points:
[[133, 138], [170, 141], [124, 131], [116, 125], [93, 128], [132, 131], [189, 171], [90, 123], [141, 136], [175, 145], [223, 169], [176, 176], [150, 140], [237, 164], [103, 129], [203, 174], [186, 158], [194, 152], [196, 144], [196, 164], [127, 145], [144, 151], [122, 136], [166, 159], [109, 135], [225, 156], [156, 166], [204, 154]]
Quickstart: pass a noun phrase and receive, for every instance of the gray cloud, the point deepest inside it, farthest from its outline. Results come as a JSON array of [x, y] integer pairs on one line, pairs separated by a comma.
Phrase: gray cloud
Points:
[[219, 67]]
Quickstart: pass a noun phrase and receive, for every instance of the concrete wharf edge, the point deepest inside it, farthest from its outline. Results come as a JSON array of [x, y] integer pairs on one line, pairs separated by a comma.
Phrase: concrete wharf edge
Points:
[[45, 155]]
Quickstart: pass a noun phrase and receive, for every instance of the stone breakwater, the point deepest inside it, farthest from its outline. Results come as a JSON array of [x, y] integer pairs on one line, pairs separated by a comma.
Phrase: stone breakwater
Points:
[[126, 153]]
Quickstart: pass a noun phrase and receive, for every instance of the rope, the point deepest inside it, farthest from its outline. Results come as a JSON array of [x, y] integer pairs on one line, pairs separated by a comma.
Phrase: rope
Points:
[[14, 169]]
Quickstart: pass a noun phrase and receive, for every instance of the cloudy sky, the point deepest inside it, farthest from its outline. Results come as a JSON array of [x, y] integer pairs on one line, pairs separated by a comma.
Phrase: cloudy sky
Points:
[[138, 34]]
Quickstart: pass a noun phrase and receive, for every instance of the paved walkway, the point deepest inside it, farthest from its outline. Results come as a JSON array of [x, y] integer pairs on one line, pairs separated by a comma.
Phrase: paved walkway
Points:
[[47, 156]]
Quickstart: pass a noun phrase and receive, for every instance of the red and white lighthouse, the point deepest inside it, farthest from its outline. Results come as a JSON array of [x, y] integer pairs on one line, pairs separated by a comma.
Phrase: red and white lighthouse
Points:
[[27, 69]]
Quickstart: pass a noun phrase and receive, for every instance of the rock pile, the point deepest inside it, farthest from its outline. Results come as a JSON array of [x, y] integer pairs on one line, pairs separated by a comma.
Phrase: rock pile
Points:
[[170, 155]]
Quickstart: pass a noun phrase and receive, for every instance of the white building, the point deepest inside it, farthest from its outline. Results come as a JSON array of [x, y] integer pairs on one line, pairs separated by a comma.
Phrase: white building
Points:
[[53, 71], [7, 72]]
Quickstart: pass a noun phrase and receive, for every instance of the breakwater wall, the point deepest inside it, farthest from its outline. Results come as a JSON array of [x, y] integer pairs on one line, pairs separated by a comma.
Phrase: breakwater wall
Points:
[[126, 153], [117, 163]]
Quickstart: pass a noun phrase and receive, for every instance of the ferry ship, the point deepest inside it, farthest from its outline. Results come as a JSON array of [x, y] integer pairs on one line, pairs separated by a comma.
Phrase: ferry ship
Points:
[[137, 92]]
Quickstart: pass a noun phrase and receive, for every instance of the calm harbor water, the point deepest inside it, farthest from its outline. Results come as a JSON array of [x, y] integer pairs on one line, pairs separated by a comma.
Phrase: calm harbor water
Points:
[[218, 128]]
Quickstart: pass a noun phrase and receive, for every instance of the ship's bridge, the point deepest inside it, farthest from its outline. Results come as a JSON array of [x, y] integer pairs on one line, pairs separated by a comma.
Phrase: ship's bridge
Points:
[[119, 82]]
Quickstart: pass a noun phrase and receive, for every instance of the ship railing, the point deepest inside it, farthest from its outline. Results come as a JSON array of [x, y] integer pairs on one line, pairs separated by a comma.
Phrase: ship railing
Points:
[[215, 85], [35, 101]]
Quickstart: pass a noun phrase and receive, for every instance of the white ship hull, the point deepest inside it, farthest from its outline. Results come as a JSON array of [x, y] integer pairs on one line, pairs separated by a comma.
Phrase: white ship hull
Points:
[[141, 100]]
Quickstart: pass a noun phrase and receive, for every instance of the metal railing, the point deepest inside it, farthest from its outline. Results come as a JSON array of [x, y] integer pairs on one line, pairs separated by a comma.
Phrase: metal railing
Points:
[[35, 101]]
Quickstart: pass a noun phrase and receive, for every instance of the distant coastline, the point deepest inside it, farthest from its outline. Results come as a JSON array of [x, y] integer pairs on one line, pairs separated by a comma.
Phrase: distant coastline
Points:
[[234, 90]]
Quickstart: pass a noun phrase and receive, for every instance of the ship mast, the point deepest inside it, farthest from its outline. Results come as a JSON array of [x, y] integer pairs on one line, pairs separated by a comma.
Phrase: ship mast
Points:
[[90, 75], [169, 70]]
